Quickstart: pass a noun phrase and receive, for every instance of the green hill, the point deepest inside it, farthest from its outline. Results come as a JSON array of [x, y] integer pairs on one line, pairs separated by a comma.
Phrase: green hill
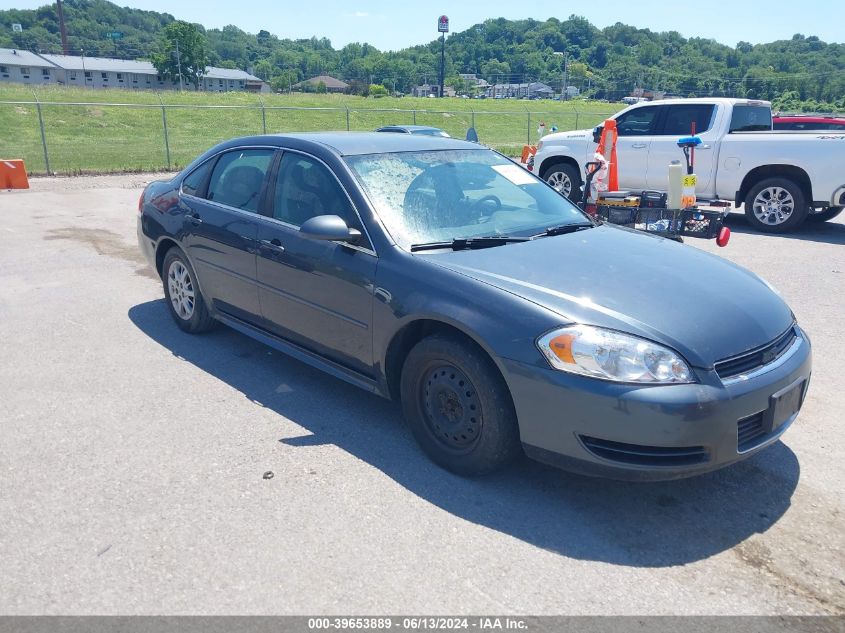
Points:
[[800, 73]]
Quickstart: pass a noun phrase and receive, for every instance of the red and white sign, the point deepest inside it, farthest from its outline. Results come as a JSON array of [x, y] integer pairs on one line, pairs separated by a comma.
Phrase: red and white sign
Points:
[[443, 24]]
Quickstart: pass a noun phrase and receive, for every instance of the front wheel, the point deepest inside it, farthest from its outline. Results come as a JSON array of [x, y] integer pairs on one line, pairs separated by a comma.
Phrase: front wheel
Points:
[[184, 299], [776, 205], [565, 178], [458, 406], [828, 213]]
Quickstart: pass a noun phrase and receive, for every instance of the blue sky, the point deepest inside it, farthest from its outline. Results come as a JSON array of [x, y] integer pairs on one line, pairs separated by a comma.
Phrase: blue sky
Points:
[[394, 24]]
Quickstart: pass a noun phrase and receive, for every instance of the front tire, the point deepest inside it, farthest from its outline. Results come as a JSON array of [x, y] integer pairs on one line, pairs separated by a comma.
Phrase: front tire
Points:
[[776, 205], [566, 179], [184, 300], [458, 406], [826, 214]]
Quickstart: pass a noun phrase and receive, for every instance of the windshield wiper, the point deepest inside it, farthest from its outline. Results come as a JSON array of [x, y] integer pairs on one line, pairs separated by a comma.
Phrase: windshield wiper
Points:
[[461, 243], [567, 228]]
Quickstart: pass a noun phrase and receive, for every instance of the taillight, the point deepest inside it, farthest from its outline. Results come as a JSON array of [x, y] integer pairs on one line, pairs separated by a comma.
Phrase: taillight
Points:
[[141, 203]]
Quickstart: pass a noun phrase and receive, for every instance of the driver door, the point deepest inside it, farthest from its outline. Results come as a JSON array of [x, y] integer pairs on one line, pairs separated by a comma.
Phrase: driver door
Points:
[[317, 294], [636, 130]]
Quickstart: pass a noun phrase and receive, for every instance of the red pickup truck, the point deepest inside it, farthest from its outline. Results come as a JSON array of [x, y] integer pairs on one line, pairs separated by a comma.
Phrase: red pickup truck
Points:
[[808, 122]]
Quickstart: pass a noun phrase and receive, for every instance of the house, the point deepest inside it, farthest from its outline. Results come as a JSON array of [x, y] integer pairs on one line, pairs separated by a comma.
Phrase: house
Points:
[[103, 72], [531, 90], [647, 94], [25, 67], [332, 84], [432, 89]]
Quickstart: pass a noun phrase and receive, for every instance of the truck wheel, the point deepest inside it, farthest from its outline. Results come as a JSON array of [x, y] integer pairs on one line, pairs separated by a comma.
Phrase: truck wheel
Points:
[[776, 205], [565, 179], [827, 213]]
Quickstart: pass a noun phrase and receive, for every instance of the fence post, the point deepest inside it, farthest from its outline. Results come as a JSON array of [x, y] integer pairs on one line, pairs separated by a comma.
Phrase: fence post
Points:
[[43, 136], [473, 116], [263, 116], [576, 119], [415, 117], [529, 126], [347, 117], [166, 139]]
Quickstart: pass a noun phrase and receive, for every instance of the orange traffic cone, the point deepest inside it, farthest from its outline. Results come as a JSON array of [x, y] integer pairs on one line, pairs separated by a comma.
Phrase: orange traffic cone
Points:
[[13, 174], [607, 148]]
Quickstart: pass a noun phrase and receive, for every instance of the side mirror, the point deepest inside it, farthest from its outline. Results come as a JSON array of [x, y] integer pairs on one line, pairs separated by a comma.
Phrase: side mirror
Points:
[[329, 228], [597, 133]]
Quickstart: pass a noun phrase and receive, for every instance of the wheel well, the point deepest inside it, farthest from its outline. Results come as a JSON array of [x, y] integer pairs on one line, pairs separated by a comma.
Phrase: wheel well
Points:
[[161, 252], [405, 339], [790, 172], [559, 160]]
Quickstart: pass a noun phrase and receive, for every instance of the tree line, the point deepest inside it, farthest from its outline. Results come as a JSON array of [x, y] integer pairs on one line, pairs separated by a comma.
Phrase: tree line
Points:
[[802, 73]]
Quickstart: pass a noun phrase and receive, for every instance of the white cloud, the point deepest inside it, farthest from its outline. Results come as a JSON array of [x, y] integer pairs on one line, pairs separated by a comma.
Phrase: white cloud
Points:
[[360, 14]]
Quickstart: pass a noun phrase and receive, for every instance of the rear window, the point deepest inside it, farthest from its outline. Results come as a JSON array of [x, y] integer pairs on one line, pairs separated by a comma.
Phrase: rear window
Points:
[[680, 119], [751, 118]]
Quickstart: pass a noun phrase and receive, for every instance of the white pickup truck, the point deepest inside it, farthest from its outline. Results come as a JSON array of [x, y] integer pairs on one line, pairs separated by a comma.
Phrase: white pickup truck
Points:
[[782, 178]]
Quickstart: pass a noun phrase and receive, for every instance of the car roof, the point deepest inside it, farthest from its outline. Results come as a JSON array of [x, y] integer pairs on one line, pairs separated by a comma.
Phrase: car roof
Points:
[[409, 127], [357, 143]]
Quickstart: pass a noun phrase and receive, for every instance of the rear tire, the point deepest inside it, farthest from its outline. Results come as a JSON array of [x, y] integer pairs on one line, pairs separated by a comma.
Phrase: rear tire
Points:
[[566, 179], [458, 406], [776, 205], [181, 291], [828, 213]]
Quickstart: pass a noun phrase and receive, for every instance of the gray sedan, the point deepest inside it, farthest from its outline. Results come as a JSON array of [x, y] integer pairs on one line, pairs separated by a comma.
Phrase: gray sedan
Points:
[[441, 274]]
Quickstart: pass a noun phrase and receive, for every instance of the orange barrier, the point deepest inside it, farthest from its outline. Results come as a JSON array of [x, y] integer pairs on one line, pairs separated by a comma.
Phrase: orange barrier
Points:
[[607, 148], [13, 174], [528, 151]]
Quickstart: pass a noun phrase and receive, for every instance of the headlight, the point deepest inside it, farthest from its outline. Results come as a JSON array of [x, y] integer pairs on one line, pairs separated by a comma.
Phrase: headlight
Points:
[[599, 353]]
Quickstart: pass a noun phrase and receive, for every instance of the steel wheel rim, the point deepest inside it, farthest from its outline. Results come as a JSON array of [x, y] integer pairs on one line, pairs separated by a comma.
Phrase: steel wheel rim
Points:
[[451, 408], [773, 206], [180, 287], [561, 182]]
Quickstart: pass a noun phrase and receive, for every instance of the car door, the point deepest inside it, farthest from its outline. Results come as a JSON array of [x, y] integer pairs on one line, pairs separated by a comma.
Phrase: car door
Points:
[[635, 130], [221, 227], [317, 294], [677, 122]]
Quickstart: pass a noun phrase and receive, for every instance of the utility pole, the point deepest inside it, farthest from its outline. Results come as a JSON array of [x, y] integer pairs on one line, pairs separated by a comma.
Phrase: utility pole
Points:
[[179, 65], [565, 76], [62, 29]]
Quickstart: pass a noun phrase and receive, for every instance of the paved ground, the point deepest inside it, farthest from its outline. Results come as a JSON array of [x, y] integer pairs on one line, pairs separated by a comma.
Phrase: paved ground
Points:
[[131, 461]]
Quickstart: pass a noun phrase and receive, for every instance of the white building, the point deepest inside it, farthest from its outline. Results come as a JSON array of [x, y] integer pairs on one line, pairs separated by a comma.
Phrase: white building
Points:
[[102, 72], [25, 67]]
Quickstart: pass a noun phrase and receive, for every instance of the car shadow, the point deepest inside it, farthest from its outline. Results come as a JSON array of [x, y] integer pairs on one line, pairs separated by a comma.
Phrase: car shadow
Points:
[[832, 232], [623, 523]]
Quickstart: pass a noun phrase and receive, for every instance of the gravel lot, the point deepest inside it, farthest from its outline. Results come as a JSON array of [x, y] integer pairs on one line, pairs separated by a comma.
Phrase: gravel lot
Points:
[[131, 462]]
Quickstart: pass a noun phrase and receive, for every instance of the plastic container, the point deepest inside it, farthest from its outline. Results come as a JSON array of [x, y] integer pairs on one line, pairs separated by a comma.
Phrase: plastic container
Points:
[[675, 189]]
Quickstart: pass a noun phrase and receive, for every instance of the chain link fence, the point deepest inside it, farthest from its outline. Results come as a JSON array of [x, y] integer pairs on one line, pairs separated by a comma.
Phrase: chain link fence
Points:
[[71, 138]]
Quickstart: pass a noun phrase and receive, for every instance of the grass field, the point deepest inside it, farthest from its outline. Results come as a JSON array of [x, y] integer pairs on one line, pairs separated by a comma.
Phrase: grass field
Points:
[[122, 130]]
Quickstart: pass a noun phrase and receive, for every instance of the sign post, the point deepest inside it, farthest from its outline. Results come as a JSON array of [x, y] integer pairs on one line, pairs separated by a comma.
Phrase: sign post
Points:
[[442, 28]]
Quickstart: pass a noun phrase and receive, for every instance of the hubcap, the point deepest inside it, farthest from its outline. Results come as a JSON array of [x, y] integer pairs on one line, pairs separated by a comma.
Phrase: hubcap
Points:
[[451, 406], [773, 206], [560, 181], [181, 290]]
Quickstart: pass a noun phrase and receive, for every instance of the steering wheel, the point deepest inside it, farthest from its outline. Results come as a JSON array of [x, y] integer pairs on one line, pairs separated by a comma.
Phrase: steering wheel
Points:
[[478, 204]]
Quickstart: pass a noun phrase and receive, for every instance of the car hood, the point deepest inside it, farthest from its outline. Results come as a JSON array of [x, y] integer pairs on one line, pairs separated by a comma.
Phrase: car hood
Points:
[[699, 304]]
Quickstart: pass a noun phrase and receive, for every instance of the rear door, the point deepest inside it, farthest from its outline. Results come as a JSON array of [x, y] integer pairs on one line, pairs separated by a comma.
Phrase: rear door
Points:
[[636, 131], [221, 227], [676, 122], [318, 294]]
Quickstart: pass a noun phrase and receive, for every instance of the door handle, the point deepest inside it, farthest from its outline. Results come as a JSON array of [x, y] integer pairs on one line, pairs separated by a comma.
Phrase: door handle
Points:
[[639, 145], [195, 219], [274, 244], [704, 147]]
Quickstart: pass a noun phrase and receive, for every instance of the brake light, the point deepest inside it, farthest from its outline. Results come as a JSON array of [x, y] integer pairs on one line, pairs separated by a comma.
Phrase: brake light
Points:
[[141, 203]]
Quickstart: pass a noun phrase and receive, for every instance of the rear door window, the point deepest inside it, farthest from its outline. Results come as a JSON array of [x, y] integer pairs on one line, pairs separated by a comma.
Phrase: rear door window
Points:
[[238, 178], [680, 118]]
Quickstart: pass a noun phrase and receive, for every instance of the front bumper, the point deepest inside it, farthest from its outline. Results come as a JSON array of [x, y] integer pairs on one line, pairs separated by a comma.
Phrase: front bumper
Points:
[[650, 432]]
